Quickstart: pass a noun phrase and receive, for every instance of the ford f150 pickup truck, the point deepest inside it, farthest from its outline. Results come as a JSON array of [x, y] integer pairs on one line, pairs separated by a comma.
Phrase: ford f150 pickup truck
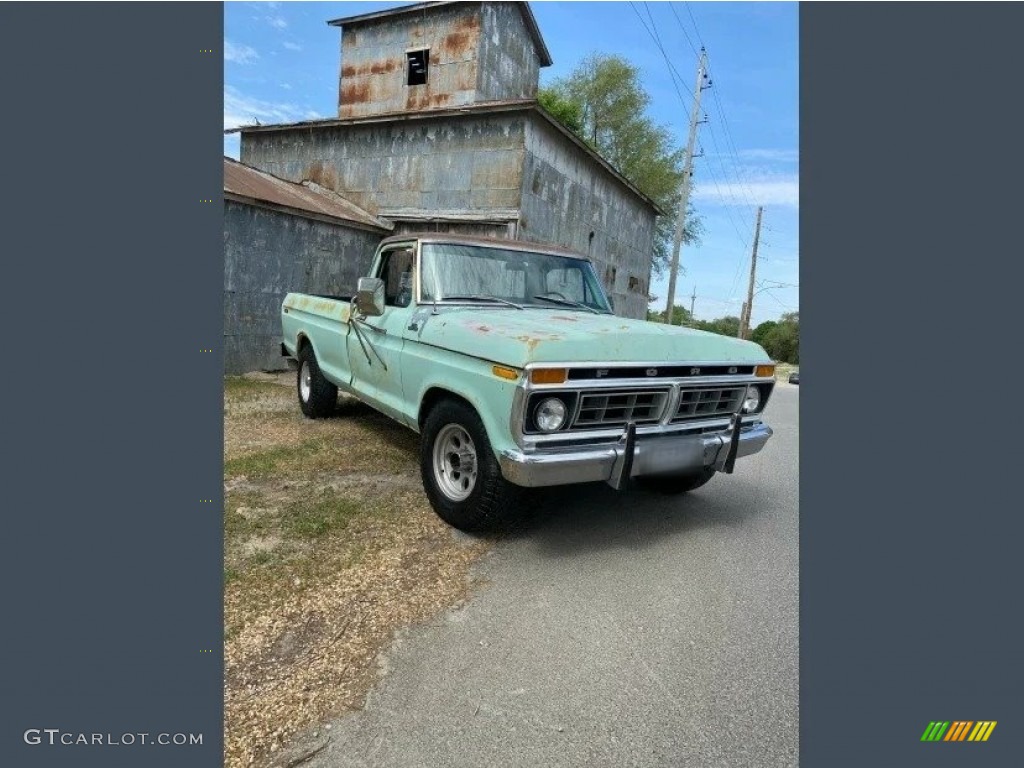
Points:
[[507, 359]]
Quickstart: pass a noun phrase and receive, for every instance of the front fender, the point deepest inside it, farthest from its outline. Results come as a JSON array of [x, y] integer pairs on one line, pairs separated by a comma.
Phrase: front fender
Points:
[[430, 369]]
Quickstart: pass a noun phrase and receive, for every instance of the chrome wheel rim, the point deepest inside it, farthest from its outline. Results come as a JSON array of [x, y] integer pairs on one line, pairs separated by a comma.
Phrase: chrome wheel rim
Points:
[[455, 465], [305, 382]]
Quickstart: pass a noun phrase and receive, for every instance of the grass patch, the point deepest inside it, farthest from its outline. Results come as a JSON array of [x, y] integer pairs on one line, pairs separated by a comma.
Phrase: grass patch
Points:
[[240, 387], [318, 517], [266, 462]]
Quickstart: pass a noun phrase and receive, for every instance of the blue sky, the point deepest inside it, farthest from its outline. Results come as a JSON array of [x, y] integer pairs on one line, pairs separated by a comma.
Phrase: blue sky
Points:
[[281, 64]]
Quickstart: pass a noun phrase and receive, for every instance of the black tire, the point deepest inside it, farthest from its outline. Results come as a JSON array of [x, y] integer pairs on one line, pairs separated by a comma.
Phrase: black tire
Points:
[[669, 484], [319, 397], [491, 501]]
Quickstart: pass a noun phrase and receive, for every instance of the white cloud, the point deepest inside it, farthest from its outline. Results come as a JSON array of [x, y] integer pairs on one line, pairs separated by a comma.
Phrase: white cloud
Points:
[[286, 86], [240, 109], [277, 22], [771, 155], [292, 46], [239, 54], [781, 190]]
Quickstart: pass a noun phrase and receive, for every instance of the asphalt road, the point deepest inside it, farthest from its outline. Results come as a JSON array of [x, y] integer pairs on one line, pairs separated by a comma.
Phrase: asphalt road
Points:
[[615, 630]]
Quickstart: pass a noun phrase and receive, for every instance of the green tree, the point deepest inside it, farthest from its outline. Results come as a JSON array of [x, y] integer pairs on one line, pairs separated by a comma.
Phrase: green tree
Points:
[[604, 103], [726, 326], [759, 334], [782, 341], [680, 316], [567, 112]]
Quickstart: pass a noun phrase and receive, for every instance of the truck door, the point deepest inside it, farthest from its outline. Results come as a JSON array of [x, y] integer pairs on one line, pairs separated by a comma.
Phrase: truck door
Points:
[[374, 353]]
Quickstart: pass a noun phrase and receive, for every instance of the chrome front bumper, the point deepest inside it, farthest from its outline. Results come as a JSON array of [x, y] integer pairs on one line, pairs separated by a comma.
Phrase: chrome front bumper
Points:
[[631, 456]]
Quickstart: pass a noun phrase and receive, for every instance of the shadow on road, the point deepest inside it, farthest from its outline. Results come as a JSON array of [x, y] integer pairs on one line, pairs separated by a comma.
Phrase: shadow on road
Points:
[[567, 520], [571, 520]]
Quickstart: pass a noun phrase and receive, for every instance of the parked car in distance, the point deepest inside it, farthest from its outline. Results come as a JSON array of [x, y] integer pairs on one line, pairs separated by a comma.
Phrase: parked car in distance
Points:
[[794, 377], [508, 361]]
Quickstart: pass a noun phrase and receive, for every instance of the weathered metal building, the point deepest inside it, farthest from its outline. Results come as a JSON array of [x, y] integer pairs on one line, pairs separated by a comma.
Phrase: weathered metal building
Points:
[[438, 128], [280, 236]]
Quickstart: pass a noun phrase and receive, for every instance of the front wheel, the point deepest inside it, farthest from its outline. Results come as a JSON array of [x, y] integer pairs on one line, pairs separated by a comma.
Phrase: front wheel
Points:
[[317, 396], [669, 484], [460, 472]]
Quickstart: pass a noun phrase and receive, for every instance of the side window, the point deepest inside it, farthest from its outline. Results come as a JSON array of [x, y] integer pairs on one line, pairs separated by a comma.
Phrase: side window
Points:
[[397, 273]]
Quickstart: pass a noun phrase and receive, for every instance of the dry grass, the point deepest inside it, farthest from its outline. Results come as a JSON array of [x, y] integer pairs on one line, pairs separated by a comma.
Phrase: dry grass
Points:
[[330, 546]]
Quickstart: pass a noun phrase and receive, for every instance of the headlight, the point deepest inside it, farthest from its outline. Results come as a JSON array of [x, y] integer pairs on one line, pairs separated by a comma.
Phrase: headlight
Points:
[[753, 399], [549, 414]]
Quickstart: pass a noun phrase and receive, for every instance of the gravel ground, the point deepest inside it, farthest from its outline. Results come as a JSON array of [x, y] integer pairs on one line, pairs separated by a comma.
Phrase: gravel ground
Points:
[[330, 547]]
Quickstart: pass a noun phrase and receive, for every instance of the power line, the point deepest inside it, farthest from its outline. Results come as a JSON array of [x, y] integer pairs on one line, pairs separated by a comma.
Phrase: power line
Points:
[[695, 28], [673, 73], [719, 154], [692, 46], [784, 306], [717, 100]]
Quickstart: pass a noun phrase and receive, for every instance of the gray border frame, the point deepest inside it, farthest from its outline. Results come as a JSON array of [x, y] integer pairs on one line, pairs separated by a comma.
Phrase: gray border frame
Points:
[[113, 274], [910, 529]]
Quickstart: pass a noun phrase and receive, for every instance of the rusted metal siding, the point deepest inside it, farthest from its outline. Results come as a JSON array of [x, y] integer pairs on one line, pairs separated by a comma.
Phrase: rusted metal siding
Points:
[[509, 64], [566, 196], [266, 255], [373, 61], [243, 181], [471, 162]]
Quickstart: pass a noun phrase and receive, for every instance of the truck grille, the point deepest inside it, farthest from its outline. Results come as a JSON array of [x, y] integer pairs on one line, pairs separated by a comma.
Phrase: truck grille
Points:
[[705, 403], [607, 409]]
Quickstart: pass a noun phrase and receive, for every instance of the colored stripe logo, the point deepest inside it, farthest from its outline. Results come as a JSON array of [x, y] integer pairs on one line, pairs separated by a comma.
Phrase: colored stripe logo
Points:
[[958, 730]]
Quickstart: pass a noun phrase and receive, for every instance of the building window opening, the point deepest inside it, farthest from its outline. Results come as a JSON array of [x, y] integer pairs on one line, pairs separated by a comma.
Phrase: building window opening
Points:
[[418, 63]]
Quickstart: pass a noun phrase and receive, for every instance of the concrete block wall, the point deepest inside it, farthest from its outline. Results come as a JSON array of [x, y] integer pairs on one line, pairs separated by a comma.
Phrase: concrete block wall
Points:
[[509, 67], [267, 254], [471, 162], [566, 197]]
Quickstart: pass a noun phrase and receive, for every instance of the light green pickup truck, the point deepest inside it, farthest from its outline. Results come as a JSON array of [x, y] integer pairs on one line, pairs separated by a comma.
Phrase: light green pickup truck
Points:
[[507, 359]]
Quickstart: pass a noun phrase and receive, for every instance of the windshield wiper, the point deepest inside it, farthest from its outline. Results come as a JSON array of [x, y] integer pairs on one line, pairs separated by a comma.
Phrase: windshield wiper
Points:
[[567, 303], [495, 299]]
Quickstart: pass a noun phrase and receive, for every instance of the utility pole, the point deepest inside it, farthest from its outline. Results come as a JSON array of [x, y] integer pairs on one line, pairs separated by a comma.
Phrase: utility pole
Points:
[[745, 320], [693, 300], [684, 195]]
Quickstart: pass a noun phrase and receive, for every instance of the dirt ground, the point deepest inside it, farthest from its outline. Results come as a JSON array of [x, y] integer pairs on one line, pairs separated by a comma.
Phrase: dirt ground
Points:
[[330, 547]]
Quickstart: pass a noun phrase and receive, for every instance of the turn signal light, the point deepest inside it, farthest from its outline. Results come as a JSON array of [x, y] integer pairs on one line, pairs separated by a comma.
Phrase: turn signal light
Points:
[[549, 375], [764, 370], [505, 373]]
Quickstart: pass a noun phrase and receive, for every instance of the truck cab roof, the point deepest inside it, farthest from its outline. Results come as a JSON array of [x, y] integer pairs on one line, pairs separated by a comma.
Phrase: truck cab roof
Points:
[[486, 242]]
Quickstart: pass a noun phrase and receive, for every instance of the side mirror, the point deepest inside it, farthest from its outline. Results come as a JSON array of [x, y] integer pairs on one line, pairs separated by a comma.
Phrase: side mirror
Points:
[[370, 296]]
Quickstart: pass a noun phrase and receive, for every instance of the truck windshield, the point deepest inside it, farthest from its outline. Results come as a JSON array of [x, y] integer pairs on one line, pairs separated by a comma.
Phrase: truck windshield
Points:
[[458, 271]]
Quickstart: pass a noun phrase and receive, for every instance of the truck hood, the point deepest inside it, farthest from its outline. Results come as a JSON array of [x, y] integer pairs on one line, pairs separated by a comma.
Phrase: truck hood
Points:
[[515, 338]]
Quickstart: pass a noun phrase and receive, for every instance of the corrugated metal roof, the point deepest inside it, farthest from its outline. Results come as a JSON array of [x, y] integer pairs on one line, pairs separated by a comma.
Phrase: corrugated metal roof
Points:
[[528, 18], [513, 105], [243, 181]]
